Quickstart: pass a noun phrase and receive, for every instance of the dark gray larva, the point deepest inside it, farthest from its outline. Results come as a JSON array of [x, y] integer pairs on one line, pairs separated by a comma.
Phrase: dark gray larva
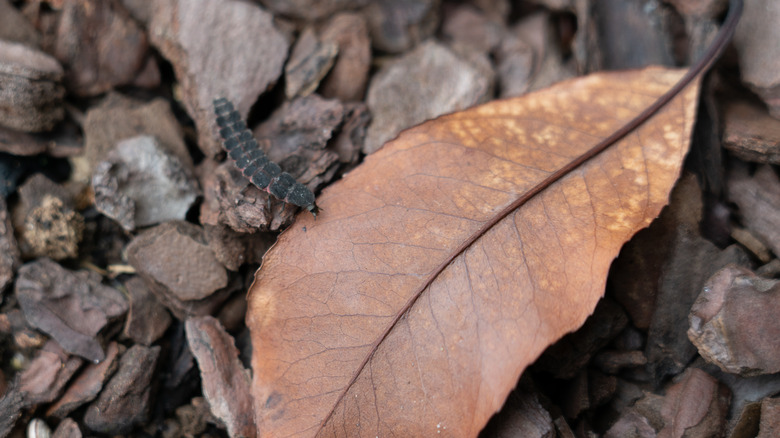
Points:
[[242, 147]]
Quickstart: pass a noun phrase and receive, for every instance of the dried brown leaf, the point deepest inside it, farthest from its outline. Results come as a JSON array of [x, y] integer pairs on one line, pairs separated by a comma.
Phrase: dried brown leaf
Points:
[[411, 305]]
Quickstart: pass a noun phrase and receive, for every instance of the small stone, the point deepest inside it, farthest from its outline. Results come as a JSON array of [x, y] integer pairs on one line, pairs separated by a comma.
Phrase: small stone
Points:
[[349, 75], [102, 46], [425, 83], [732, 319], [213, 47], [310, 60], [141, 184], [225, 381], [759, 54], [87, 385], [38, 428], [398, 25], [124, 402], [751, 133], [49, 371], [71, 307], [31, 88]]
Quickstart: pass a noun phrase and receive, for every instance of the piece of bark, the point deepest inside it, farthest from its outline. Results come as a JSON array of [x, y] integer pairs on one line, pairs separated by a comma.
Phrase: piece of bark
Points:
[[750, 133], [225, 381], [232, 314], [234, 249], [565, 358], [732, 319], [758, 199], [350, 140], [118, 117], [71, 307], [514, 66], [751, 243], [15, 28], [102, 46], [396, 26], [10, 257], [147, 318], [45, 378], [521, 416], [691, 261], [11, 405], [612, 362], [700, 8], [309, 62], [141, 184], [13, 324], [230, 199], [295, 137], [633, 35], [631, 424], [759, 54], [86, 386], [64, 140], [695, 406], [467, 25], [213, 48], [348, 76], [549, 65], [770, 418], [31, 90], [425, 83], [310, 10], [176, 255], [636, 273], [67, 429], [193, 418], [746, 424], [124, 401]]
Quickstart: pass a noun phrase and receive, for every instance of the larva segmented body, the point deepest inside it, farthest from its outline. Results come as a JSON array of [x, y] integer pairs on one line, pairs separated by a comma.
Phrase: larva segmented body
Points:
[[242, 147]]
